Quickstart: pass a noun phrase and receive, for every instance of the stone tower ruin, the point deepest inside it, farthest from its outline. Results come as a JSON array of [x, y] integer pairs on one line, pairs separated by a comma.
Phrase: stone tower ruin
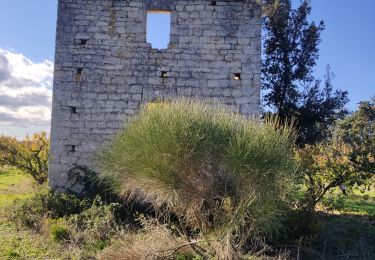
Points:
[[105, 70]]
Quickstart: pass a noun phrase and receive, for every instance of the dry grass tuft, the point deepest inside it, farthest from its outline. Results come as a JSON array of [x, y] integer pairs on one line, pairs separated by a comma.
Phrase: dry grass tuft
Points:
[[155, 241]]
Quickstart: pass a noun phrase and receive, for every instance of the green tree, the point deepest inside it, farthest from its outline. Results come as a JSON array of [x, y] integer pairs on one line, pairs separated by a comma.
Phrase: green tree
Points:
[[320, 108], [290, 54], [326, 166], [358, 130], [348, 159], [29, 155]]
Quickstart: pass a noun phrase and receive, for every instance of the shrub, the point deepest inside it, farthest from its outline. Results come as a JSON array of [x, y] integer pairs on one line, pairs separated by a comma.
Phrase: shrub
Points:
[[59, 233], [87, 224], [33, 211], [97, 223], [221, 174]]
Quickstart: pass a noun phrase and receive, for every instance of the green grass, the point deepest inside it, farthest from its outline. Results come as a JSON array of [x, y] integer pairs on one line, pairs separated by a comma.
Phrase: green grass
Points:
[[14, 185], [343, 236], [356, 203], [346, 227], [368, 193], [21, 244], [17, 242], [14, 242]]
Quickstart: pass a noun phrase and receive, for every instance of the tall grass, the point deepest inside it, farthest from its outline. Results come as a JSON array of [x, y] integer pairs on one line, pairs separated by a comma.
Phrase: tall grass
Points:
[[221, 174]]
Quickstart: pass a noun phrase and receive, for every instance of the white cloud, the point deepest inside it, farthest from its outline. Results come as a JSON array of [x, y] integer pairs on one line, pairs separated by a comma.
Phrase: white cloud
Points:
[[25, 92]]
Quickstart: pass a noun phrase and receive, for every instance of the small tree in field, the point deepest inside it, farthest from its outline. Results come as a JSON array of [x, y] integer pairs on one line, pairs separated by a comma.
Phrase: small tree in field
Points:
[[349, 159], [29, 155], [358, 130]]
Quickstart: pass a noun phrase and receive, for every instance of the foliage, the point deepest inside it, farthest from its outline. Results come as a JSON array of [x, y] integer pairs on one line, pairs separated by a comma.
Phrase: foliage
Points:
[[326, 167], [348, 159], [86, 225], [291, 49], [358, 131], [32, 212], [333, 236], [97, 223], [319, 110], [20, 244], [28, 237], [29, 155], [223, 175], [59, 233], [290, 53]]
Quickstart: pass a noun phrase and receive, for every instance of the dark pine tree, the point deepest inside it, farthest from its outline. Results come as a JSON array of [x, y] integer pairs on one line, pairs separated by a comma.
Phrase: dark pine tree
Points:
[[290, 53], [319, 109]]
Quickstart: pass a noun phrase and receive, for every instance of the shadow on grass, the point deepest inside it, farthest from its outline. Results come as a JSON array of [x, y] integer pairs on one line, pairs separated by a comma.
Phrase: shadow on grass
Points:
[[344, 236], [340, 237]]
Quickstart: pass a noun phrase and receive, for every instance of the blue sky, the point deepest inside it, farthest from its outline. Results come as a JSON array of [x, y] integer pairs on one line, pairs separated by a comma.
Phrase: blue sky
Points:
[[27, 36], [28, 27], [348, 45]]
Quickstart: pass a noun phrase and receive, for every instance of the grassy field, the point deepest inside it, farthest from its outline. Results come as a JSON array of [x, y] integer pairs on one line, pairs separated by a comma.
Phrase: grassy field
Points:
[[14, 185], [345, 224], [356, 203], [18, 243]]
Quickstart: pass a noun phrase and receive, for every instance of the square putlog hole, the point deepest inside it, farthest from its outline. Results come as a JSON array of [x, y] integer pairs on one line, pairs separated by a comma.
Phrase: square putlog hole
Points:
[[78, 76], [73, 110], [164, 75], [237, 76], [83, 42], [72, 148]]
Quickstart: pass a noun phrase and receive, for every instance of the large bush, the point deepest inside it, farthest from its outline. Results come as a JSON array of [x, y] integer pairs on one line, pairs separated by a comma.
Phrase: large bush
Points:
[[221, 174]]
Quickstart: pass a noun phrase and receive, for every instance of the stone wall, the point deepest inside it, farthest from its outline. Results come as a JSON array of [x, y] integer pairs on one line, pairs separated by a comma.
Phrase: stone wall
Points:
[[105, 70]]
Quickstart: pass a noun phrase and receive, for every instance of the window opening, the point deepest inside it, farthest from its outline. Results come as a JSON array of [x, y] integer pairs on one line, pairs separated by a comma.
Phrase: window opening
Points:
[[158, 28]]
